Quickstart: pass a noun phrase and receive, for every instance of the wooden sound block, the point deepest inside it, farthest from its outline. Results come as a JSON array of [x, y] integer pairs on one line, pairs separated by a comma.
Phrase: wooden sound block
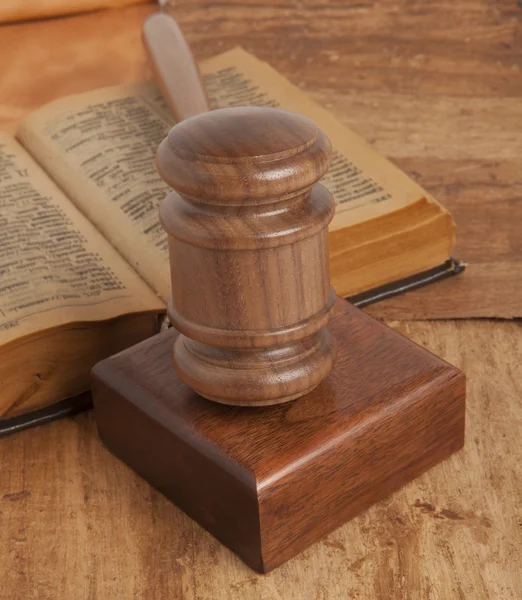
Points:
[[268, 482]]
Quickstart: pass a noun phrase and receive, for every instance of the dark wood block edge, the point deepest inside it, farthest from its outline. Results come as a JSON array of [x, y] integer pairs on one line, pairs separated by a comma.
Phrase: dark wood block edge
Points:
[[269, 482], [140, 442], [442, 435]]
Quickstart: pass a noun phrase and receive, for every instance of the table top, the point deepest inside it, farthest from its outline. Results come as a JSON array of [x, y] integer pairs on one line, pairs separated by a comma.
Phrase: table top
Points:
[[437, 88]]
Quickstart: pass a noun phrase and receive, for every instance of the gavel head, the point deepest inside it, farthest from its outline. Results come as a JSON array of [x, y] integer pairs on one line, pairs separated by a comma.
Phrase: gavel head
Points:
[[247, 228]]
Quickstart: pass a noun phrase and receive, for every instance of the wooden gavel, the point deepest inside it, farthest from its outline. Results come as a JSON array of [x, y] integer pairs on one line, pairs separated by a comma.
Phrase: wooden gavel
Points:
[[247, 231], [174, 67]]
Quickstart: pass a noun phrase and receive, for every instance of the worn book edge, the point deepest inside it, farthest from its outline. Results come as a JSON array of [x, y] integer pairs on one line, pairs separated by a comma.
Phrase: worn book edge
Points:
[[83, 402]]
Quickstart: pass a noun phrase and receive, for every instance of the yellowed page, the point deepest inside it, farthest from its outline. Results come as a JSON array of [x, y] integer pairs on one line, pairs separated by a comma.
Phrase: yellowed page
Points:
[[55, 267], [363, 182], [99, 147]]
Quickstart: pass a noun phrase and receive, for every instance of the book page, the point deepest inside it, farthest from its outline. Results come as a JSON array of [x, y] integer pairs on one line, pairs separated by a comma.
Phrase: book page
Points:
[[100, 147], [55, 268], [364, 183]]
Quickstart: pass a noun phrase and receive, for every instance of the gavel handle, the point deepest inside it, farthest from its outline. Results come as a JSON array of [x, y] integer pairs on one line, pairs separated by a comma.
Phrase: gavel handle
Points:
[[174, 67]]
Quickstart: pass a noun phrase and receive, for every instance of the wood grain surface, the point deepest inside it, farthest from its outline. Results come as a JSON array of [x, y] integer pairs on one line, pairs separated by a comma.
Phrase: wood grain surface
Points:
[[435, 86], [76, 523], [268, 483], [174, 67]]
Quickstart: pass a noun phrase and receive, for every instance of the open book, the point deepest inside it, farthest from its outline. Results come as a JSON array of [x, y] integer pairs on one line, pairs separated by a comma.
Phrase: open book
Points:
[[84, 261]]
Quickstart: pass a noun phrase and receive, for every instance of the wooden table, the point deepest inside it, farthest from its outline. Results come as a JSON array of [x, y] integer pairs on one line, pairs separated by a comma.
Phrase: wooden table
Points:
[[434, 85]]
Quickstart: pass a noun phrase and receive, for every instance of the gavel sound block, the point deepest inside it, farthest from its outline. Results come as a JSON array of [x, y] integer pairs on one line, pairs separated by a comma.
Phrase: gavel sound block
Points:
[[256, 323]]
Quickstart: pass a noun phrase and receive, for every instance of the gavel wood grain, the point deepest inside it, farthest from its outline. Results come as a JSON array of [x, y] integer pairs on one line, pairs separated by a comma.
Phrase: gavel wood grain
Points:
[[248, 245], [175, 69]]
